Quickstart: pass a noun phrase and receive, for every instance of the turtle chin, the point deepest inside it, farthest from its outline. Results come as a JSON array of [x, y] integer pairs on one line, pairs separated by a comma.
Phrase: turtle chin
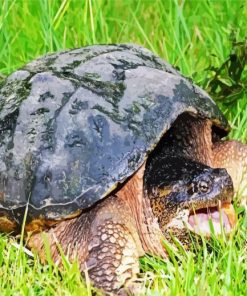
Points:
[[204, 221]]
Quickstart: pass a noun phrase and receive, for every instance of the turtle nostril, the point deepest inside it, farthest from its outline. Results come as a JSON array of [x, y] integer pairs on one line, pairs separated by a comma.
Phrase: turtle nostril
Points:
[[222, 172], [228, 185]]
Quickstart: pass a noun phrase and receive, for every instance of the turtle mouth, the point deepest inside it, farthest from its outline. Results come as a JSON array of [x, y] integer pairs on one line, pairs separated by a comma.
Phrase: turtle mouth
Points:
[[218, 219]]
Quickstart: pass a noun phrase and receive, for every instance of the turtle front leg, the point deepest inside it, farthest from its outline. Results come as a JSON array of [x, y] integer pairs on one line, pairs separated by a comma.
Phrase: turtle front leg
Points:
[[105, 242], [114, 247], [232, 155]]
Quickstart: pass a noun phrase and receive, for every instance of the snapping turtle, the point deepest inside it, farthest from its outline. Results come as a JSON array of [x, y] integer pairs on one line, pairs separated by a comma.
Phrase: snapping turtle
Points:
[[107, 149]]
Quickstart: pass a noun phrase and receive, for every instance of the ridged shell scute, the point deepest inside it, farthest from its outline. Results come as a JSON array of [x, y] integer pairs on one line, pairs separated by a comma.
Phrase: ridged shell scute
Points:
[[75, 124]]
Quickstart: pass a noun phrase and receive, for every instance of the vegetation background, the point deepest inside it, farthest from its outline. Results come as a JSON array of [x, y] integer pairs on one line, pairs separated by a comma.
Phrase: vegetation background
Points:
[[206, 40]]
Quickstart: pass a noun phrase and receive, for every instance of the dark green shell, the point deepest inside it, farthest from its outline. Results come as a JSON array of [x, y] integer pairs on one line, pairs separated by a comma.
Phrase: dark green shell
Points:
[[76, 123]]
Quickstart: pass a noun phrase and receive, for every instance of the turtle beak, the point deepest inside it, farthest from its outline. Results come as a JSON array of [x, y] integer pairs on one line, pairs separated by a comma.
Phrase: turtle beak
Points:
[[217, 219]]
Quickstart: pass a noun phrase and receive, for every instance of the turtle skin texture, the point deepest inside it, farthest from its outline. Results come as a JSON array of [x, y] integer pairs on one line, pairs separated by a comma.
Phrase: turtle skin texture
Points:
[[97, 144]]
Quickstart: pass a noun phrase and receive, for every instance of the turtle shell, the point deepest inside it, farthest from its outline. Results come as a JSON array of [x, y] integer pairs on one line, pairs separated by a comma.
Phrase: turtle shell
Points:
[[75, 124]]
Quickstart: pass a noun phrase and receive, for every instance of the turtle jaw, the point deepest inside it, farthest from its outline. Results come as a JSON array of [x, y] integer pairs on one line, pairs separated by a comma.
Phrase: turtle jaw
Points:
[[218, 219], [205, 213]]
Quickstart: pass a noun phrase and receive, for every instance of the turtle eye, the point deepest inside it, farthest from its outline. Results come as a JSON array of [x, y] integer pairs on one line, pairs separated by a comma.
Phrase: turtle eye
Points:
[[203, 186]]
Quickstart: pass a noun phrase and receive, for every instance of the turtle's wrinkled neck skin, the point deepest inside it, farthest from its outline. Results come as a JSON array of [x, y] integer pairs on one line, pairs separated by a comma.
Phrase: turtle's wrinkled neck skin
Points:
[[197, 139], [190, 137]]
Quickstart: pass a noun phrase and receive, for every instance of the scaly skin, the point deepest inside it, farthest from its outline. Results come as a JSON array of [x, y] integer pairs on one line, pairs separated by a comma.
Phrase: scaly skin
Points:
[[232, 155], [104, 241], [109, 239]]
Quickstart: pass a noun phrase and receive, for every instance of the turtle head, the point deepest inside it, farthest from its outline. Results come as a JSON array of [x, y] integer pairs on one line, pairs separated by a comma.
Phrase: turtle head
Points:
[[189, 195]]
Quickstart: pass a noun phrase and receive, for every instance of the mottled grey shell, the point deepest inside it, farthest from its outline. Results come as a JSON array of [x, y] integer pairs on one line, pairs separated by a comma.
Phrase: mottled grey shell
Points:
[[76, 123]]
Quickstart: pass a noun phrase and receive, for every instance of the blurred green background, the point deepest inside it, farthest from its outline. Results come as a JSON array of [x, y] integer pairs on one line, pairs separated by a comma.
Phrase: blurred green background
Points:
[[194, 36], [189, 34]]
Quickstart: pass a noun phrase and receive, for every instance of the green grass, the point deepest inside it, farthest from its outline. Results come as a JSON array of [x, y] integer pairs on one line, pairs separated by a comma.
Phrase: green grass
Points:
[[191, 35]]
